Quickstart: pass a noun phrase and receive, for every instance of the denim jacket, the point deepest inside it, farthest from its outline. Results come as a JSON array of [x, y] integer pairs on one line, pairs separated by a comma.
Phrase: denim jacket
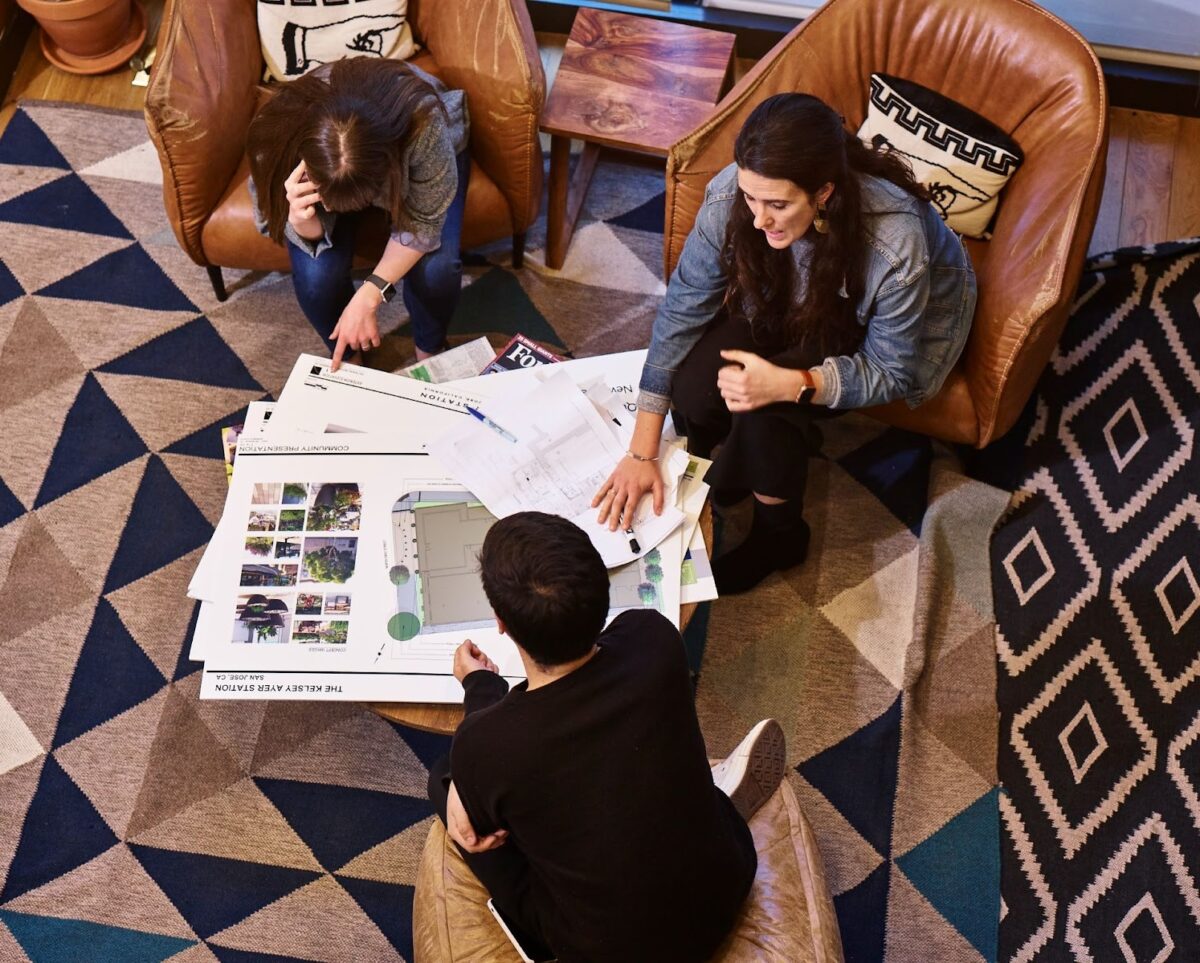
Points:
[[917, 302]]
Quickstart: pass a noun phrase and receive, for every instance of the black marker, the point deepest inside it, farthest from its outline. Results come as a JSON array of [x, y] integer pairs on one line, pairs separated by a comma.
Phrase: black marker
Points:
[[633, 542]]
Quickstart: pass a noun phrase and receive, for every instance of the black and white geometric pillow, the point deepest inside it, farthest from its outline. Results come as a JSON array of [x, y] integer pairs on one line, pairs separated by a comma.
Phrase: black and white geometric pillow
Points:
[[298, 35], [963, 159]]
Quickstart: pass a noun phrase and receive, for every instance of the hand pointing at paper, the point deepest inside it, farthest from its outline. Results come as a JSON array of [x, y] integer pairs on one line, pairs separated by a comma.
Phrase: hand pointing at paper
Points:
[[635, 475]]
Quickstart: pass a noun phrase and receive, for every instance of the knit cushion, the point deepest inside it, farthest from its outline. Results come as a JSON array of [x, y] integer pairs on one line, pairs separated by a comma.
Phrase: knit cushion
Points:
[[963, 159]]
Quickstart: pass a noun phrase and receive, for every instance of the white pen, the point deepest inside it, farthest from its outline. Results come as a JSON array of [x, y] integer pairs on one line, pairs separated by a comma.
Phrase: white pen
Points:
[[476, 413]]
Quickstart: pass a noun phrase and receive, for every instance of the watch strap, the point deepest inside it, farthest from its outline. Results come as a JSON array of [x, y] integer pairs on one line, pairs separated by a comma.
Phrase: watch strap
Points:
[[805, 395], [387, 290]]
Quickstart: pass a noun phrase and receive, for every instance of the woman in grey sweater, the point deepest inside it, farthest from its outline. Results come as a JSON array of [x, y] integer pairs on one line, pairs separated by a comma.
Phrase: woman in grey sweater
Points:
[[354, 134]]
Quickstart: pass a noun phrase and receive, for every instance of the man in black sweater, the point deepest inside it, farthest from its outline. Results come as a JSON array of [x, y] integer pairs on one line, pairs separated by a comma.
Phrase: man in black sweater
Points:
[[583, 799]]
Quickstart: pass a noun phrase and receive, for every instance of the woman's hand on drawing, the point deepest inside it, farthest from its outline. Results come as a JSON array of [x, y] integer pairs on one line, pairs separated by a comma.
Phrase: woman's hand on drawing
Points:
[[302, 196], [357, 328], [752, 382], [618, 497]]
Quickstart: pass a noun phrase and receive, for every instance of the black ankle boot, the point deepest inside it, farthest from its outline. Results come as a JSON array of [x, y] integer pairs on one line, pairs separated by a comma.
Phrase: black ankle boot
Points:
[[778, 540]]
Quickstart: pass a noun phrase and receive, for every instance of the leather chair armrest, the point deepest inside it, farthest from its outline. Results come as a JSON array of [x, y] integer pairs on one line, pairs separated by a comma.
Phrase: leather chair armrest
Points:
[[488, 49], [1029, 270], [199, 104]]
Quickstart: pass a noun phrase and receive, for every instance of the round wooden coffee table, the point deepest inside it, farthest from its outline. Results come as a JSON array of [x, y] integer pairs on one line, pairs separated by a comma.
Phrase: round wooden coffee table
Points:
[[444, 719]]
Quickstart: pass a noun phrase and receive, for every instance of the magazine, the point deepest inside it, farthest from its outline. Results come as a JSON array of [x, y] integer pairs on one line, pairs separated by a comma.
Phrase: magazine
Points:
[[520, 352]]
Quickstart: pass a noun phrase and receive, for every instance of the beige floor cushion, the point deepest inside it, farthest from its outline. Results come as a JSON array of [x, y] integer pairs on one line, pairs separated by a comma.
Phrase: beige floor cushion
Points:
[[788, 917]]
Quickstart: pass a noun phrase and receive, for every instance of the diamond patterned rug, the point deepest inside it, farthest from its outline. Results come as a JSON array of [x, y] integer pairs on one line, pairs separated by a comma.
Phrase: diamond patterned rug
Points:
[[1095, 572], [142, 824]]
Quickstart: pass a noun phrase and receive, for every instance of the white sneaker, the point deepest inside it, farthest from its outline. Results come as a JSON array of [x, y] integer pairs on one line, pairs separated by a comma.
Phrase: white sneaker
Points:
[[753, 771]]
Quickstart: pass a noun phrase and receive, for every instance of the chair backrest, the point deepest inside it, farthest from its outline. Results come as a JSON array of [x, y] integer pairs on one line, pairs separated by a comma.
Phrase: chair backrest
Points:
[[488, 48], [1008, 60]]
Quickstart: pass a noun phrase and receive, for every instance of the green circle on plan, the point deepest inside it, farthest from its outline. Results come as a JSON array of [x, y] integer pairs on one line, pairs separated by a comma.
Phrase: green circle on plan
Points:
[[403, 626], [399, 574]]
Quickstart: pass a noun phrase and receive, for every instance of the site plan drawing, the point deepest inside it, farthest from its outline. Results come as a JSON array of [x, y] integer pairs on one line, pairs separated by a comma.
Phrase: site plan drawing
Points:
[[316, 400], [436, 538]]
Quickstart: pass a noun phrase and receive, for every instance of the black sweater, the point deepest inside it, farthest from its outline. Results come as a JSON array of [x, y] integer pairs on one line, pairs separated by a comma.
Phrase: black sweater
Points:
[[602, 781]]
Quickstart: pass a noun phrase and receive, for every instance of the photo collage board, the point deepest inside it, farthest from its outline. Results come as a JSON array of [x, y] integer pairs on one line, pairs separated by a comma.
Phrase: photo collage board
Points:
[[299, 552]]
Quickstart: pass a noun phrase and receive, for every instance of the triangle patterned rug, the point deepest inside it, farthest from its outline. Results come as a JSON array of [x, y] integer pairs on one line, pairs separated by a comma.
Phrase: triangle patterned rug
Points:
[[142, 824]]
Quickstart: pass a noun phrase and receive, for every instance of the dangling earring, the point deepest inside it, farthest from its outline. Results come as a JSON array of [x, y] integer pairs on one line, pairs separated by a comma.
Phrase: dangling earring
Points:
[[821, 222]]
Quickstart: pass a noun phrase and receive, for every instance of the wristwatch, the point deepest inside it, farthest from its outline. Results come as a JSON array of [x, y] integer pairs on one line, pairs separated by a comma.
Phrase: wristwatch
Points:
[[387, 290], [807, 390]]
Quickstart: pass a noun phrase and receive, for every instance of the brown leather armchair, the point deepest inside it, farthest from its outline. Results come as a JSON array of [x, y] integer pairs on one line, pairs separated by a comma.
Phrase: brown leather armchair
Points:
[[1023, 69], [206, 87], [788, 917]]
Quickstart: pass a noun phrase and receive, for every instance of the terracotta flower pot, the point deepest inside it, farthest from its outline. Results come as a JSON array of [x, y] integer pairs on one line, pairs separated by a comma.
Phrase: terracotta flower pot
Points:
[[88, 36]]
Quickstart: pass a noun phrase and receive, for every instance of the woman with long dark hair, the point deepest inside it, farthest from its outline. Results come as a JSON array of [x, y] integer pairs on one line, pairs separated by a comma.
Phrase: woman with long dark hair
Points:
[[353, 134], [817, 278]]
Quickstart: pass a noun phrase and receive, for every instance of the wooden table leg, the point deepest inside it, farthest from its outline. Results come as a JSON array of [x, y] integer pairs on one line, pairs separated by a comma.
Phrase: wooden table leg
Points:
[[566, 196], [557, 233]]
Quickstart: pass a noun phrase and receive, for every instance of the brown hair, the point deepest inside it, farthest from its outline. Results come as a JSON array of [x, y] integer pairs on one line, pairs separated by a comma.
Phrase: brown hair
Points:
[[798, 138], [349, 123]]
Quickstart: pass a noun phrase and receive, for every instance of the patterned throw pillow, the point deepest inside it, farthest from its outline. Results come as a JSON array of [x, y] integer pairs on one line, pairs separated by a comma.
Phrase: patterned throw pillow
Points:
[[298, 35], [963, 159]]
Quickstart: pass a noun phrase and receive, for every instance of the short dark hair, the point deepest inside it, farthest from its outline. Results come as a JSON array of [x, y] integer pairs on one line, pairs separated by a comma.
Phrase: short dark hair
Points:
[[547, 583]]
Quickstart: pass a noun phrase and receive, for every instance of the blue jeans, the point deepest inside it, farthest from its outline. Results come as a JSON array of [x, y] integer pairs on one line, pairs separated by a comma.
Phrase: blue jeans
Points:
[[431, 287]]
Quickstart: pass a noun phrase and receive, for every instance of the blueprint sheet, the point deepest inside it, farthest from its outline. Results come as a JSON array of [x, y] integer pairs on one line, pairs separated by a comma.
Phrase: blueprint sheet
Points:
[[555, 451]]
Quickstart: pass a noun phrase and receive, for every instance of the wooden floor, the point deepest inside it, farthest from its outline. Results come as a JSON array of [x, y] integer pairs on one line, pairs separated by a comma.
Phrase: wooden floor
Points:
[[1151, 191], [1152, 187], [37, 79]]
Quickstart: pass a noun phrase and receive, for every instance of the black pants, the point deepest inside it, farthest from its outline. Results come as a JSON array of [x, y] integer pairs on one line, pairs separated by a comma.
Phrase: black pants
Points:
[[765, 450], [503, 871]]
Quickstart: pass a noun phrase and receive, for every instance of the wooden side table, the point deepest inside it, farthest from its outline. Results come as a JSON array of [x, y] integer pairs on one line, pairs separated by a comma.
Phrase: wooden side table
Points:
[[628, 82], [445, 718]]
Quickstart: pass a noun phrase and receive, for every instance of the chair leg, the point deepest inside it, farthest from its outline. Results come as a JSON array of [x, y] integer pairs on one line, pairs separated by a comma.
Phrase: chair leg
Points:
[[218, 282], [518, 250]]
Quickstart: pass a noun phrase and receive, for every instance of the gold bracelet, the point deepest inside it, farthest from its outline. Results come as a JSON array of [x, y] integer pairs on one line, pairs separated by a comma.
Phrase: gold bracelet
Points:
[[636, 457]]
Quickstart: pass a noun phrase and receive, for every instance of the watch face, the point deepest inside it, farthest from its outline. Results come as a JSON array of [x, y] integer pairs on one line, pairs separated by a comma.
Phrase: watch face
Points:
[[805, 395]]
